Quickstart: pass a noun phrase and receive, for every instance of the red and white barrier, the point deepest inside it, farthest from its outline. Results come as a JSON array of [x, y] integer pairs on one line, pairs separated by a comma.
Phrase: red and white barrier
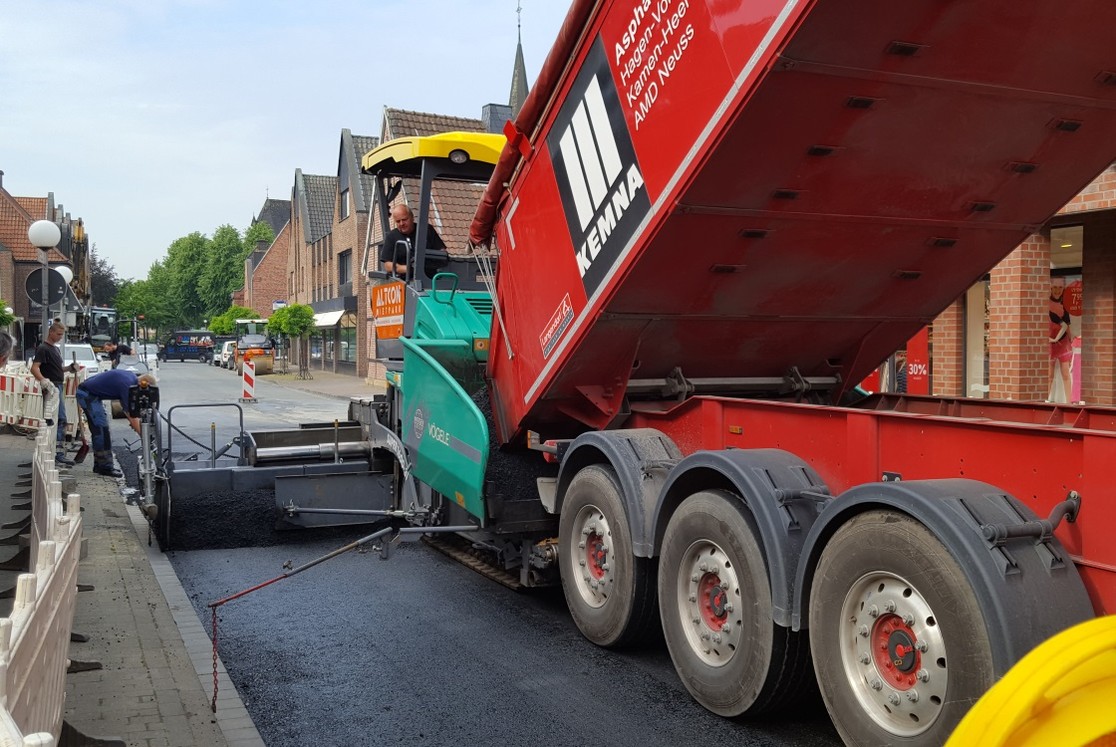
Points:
[[8, 396], [69, 400], [29, 403], [22, 400], [248, 377]]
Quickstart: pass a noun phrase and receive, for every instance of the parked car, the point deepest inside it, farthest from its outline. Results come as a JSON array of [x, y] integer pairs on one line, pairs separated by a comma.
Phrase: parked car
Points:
[[148, 354], [225, 357], [82, 353]]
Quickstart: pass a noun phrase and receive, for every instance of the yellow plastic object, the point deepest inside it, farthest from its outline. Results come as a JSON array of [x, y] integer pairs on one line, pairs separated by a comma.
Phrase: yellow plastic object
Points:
[[396, 154], [1062, 693]]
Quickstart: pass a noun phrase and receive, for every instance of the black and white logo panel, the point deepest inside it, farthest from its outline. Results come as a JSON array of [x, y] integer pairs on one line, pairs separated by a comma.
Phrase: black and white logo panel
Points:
[[599, 179]]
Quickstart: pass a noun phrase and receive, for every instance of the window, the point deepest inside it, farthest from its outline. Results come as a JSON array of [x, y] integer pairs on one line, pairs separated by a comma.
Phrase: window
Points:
[[344, 207], [347, 335], [345, 267]]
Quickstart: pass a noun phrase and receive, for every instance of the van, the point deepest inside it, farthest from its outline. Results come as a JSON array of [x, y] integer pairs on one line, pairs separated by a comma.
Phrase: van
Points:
[[190, 344], [227, 355]]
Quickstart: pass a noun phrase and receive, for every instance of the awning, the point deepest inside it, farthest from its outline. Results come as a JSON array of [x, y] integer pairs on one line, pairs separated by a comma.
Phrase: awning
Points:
[[328, 318]]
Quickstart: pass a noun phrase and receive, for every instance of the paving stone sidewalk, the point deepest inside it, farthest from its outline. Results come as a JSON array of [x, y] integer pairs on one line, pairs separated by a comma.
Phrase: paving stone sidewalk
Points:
[[155, 682]]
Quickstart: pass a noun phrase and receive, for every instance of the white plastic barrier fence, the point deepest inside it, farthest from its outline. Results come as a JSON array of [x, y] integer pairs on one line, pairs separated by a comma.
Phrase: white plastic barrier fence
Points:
[[7, 398], [35, 637], [69, 399]]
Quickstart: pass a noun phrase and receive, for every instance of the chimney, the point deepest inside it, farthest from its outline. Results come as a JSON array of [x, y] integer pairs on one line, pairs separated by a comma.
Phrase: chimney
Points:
[[494, 116], [1, 179]]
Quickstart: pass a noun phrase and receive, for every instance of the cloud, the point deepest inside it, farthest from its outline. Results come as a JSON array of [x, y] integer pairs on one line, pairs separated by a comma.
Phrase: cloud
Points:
[[152, 119]]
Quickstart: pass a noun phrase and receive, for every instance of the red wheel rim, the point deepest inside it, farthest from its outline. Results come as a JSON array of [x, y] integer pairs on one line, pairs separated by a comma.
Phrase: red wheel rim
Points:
[[896, 652], [712, 599], [596, 555]]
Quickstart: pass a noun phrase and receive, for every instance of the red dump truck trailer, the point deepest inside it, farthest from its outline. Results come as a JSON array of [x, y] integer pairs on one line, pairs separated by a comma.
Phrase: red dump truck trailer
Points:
[[711, 220]]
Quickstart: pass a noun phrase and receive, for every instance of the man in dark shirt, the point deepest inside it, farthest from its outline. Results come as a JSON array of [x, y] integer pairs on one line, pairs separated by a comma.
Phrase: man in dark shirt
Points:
[[115, 350], [48, 371], [393, 255], [107, 385]]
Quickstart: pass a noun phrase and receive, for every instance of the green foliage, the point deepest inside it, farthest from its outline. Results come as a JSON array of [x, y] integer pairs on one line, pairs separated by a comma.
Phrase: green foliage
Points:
[[103, 280], [152, 299], [223, 270], [185, 259], [5, 317], [195, 281], [225, 324], [295, 320], [257, 232]]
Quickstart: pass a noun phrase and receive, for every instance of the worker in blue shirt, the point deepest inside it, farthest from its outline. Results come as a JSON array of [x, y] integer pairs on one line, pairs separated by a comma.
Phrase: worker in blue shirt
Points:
[[108, 385]]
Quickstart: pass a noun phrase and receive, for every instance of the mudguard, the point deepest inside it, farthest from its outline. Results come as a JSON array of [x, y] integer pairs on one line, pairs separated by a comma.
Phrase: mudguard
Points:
[[641, 457], [780, 490], [1017, 580]]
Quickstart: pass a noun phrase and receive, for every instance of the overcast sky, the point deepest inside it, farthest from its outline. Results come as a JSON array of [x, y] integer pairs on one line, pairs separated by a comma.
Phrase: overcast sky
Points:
[[152, 119]]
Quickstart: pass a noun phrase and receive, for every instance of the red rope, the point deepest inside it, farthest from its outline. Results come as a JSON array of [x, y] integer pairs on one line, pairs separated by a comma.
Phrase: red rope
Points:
[[306, 566]]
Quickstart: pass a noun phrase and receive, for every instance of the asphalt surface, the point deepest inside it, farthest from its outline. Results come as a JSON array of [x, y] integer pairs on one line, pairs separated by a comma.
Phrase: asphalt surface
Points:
[[421, 650]]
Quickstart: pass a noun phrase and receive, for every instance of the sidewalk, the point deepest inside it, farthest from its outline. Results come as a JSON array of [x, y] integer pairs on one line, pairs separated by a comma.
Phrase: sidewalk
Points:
[[338, 386], [155, 679]]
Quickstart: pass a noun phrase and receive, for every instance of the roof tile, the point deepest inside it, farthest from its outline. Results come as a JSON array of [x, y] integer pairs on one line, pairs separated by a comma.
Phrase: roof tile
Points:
[[16, 216]]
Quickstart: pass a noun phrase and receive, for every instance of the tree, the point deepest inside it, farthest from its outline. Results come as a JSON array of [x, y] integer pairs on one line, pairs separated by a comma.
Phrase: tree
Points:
[[297, 321], [225, 324], [223, 270], [152, 299], [103, 280], [257, 232], [6, 318], [185, 259]]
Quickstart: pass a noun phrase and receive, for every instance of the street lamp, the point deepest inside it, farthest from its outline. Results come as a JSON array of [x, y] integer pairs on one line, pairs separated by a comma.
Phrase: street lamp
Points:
[[44, 235]]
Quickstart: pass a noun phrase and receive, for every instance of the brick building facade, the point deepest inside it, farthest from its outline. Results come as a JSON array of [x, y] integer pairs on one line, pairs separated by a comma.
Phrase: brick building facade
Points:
[[265, 274], [994, 341], [18, 258]]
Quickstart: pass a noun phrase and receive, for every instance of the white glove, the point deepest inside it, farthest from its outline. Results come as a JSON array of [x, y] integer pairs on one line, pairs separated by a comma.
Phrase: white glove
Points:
[[47, 386]]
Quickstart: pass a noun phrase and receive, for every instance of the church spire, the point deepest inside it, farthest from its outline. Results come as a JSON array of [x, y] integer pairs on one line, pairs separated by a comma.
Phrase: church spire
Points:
[[519, 70]]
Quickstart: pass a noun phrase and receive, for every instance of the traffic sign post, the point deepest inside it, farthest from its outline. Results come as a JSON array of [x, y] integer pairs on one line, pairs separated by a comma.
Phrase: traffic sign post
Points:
[[52, 286], [45, 283]]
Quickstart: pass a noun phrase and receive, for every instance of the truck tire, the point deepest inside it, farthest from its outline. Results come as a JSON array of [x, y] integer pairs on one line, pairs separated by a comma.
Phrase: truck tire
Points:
[[610, 592], [715, 603], [901, 650]]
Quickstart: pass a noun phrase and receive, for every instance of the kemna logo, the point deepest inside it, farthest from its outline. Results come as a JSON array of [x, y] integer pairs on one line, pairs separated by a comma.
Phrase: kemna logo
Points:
[[598, 177]]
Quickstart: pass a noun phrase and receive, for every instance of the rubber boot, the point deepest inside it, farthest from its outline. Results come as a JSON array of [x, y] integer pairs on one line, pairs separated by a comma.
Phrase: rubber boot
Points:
[[60, 457]]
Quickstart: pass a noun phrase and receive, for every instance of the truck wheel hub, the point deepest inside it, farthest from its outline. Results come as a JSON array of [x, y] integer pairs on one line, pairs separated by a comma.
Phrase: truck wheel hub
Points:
[[707, 585], [893, 653]]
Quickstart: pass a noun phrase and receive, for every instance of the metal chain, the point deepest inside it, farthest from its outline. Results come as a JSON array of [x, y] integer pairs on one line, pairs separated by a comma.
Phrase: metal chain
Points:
[[213, 707]]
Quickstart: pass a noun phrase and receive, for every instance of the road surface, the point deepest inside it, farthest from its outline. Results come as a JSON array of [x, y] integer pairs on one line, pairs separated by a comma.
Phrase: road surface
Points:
[[421, 650]]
